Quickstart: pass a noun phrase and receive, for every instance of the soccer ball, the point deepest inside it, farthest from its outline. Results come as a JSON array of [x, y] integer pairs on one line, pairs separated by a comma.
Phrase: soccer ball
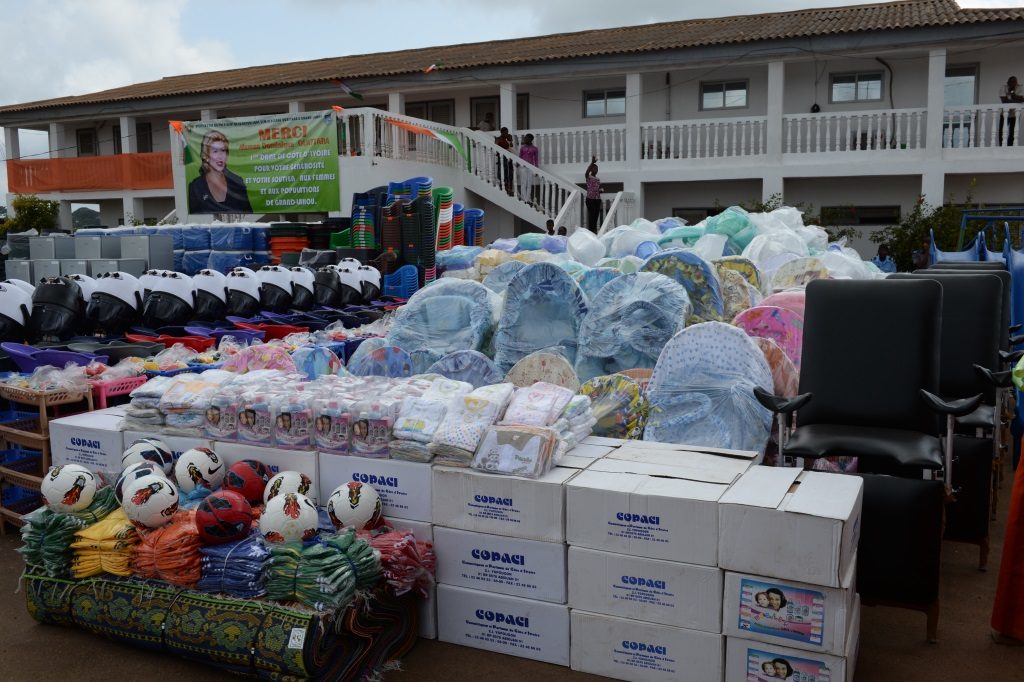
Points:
[[149, 449], [68, 488], [199, 467], [287, 482], [289, 517], [248, 478], [150, 501], [132, 472], [223, 516], [355, 505]]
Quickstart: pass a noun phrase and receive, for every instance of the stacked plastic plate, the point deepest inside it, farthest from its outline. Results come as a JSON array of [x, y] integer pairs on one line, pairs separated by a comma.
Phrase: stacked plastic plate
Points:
[[458, 225], [363, 227], [287, 238], [410, 225], [422, 186], [391, 229], [474, 226], [428, 237], [444, 207], [400, 190]]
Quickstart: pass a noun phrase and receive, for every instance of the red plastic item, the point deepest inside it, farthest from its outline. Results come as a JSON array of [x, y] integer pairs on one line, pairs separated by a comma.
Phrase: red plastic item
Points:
[[272, 331], [102, 390], [196, 343]]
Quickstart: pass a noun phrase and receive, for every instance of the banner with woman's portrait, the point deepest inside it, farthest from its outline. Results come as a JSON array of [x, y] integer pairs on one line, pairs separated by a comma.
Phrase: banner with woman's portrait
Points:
[[285, 163]]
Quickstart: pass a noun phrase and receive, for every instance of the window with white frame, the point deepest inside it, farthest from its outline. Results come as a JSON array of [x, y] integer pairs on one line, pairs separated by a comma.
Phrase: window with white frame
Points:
[[857, 87], [723, 95], [598, 103], [86, 142]]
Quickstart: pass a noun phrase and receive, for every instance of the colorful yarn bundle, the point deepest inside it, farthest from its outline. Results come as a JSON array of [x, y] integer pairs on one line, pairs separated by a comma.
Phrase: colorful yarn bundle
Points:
[[236, 568], [171, 553], [104, 547], [407, 563], [47, 535], [322, 575]]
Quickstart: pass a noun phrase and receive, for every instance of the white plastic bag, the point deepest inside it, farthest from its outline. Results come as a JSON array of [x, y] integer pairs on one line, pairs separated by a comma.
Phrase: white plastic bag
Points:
[[585, 247]]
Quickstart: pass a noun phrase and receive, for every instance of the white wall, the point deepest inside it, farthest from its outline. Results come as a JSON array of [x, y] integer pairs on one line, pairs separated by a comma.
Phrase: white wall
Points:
[[909, 83], [156, 208], [988, 188], [111, 212], [661, 197], [686, 92], [560, 104]]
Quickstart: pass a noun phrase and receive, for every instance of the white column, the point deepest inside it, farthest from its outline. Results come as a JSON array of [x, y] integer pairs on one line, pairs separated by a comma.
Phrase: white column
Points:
[[132, 209], [57, 141], [207, 114], [296, 107], [64, 220], [631, 182], [933, 186], [506, 106], [936, 102], [776, 88], [396, 103], [129, 143], [12, 143]]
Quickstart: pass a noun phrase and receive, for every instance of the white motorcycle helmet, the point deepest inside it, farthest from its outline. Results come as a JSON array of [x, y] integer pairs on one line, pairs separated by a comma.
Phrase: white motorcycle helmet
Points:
[[170, 302], [369, 282], [351, 284], [148, 278], [86, 284], [114, 305], [303, 288], [15, 311], [211, 295], [243, 293], [276, 288], [21, 284]]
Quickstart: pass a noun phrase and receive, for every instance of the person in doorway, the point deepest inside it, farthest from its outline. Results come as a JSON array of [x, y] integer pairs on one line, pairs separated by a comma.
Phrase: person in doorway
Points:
[[1009, 93], [487, 123], [529, 153], [505, 141], [883, 261], [549, 226], [921, 257], [593, 195], [217, 190]]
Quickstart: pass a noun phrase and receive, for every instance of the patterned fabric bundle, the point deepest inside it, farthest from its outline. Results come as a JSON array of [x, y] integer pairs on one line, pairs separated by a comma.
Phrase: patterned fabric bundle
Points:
[[104, 547], [517, 450], [539, 404], [576, 422], [323, 575], [468, 417], [618, 406], [171, 553], [47, 535], [407, 563], [237, 568]]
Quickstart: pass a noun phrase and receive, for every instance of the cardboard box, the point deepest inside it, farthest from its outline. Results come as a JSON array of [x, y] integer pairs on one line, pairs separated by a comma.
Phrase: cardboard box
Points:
[[791, 524], [660, 505], [665, 592], [508, 625], [404, 487], [92, 439], [787, 613], [421, 530], [583, 455], [522, 568], [745, 659], [601, 440], [631, 650], [303, 461], [177, 444], [73, 266], [533, 509]]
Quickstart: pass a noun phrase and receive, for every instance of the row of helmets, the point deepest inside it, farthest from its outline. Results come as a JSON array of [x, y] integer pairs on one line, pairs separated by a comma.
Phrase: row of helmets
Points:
[[347, 283]]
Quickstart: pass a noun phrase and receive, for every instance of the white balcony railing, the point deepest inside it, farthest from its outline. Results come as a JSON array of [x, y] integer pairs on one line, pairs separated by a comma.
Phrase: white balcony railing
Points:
[[560, 146], [982, 125], [703, 138], [621, 210], [890, 130]]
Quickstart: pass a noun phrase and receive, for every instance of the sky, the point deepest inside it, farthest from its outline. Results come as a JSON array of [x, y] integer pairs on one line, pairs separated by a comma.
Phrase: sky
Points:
[[93, 45]]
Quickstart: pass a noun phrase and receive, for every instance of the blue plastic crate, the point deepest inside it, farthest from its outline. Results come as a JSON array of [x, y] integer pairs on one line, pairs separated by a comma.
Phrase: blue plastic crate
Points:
[[22, 459], [20, 500], [9, 415]]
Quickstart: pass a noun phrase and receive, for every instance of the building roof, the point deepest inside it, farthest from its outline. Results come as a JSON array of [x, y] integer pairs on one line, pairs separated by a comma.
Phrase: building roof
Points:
[[646, 38]]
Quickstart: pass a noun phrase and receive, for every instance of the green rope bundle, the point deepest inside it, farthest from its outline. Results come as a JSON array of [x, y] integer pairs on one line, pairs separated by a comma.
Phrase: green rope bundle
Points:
[[47, 535], [323, 576], [362, 555]]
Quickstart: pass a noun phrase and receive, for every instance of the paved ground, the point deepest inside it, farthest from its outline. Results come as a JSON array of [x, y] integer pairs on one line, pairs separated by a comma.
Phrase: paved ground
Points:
[[892, 640]]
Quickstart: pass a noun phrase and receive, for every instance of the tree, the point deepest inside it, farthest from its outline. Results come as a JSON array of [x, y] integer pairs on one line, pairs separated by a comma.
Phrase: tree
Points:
[[31, 212], [916, 227]]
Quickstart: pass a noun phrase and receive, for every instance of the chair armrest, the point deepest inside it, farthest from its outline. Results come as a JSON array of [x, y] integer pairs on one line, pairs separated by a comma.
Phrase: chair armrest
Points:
[[1011, 357], [1018, 339], [955, 408], [1002, 379], [780, 404], [1014, 328]]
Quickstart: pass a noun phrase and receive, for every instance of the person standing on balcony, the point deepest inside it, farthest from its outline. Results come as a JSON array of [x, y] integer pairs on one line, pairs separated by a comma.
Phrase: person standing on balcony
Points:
[[1009, 94], [529, 153], [505, 141], [487, 123], [593, 195], [217, 190]]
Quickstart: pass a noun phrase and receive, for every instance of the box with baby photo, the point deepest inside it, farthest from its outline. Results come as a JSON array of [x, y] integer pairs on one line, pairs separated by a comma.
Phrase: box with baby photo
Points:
[[789, 613]]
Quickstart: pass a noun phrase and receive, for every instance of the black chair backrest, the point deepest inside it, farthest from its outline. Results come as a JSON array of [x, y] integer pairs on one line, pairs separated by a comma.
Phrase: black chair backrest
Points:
[[1007, 295], [869, 347], [971, 330], [969, 265]]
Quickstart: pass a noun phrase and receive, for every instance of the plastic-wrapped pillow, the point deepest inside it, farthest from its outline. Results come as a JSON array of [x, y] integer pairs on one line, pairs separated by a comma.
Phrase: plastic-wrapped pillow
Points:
[[745, 267], [764, 247], [491, 259], [457, 258], [595, 278], [585, 247], [791, 299], [701, 392], [735, 225], [389, 361], [449, 315], [735, 292], [668, 223], [815, 237], [630, 264], [497, 279], [506, 244], [555, 243], [314, 361], [531, 241], [696, 275], [679, 237], [630, 321], [797, 273], [782, 326], [470, 366], [547, 366], [785, 376], [626, 242], [711, 247], [544, 307]]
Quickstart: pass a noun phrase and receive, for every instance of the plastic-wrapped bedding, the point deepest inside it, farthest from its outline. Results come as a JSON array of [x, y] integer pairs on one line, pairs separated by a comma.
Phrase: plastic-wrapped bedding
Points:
[[384, 362], [629, 322], [618, 405], [745, 267], [785, 376], [701, 392], [497, 279], [797, 273], [547, 366], [737, 294], [365, 348], [544, 308], [595, 278], [782, 326], [696, 275], [449, 315], [470, 366], [791, 299]]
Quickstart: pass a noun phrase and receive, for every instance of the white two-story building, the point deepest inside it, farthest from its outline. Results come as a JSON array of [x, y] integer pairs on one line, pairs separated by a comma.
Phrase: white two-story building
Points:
[[855, 111]]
